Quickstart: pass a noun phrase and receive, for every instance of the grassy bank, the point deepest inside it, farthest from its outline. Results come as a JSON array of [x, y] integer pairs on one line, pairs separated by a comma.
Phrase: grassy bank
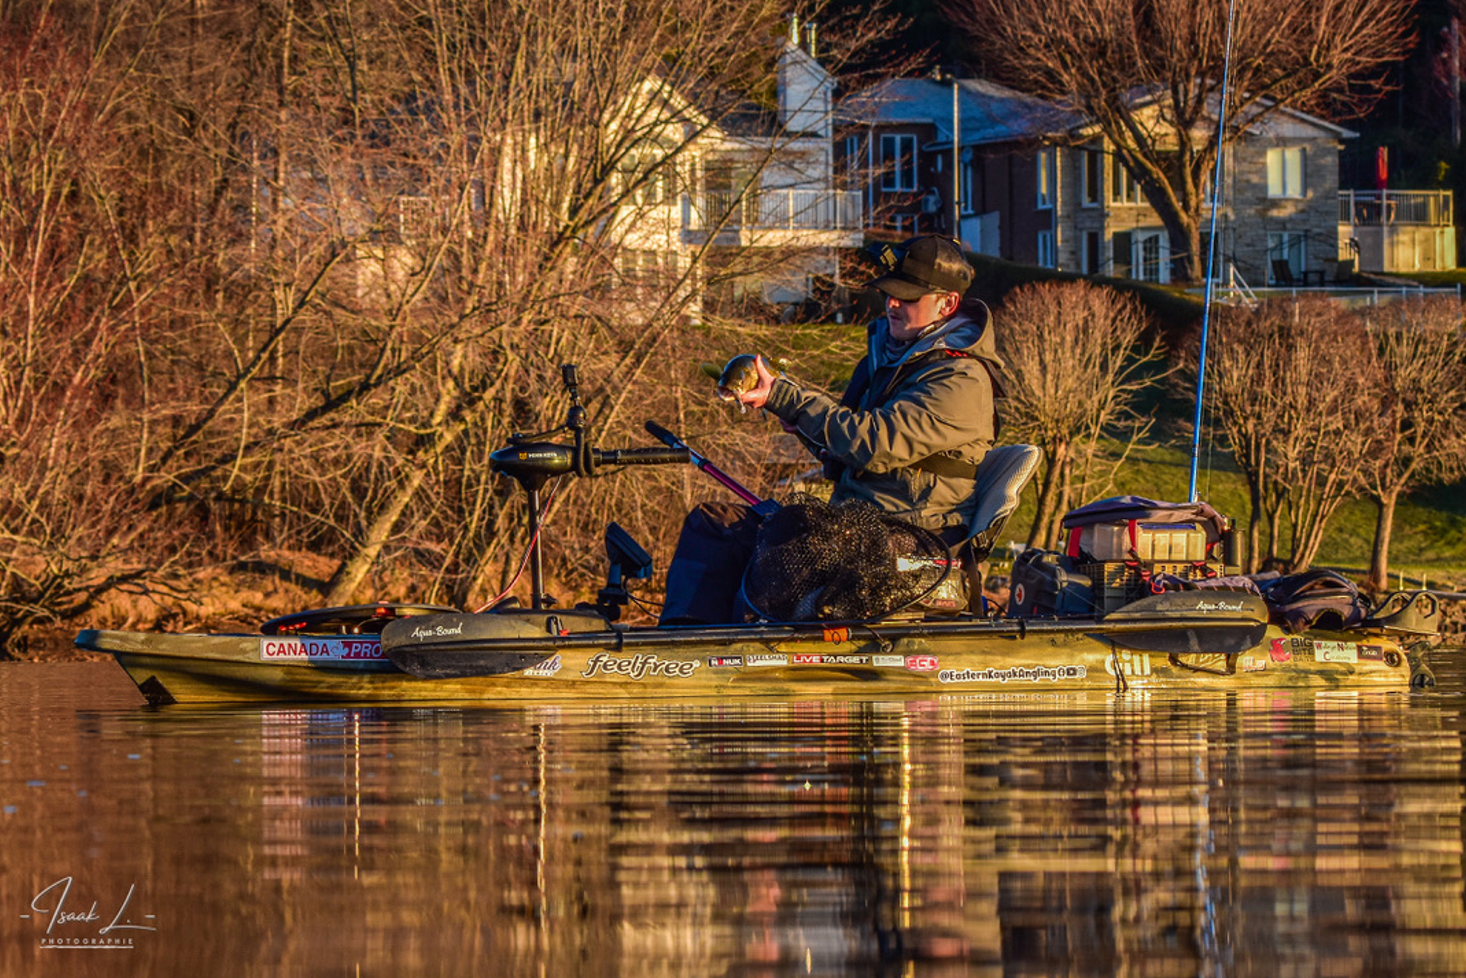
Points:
[[1428, 547]]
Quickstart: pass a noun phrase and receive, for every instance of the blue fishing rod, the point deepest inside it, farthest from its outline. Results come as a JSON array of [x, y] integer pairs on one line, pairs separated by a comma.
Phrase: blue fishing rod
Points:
[[1211, 251]]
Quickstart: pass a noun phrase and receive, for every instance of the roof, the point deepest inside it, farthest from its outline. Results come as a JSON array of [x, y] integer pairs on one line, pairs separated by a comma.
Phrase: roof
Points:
[[993, 113], [988, 112]]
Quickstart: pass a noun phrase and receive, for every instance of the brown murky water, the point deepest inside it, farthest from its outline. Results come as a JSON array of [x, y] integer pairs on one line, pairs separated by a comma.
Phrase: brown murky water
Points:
[[1273, 834]]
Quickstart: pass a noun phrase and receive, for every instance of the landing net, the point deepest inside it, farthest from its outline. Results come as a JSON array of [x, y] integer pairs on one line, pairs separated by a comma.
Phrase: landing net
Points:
[[846, 562]]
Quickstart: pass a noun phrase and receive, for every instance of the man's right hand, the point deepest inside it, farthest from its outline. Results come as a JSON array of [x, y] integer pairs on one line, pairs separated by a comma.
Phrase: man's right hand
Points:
[[758, 396]]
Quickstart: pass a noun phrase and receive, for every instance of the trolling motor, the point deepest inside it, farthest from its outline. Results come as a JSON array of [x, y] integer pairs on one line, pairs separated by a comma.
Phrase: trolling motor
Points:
[[532, 462]]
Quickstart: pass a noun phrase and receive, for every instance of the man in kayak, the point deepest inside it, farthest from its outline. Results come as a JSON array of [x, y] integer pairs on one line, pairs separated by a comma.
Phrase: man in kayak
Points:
[[918, 415]]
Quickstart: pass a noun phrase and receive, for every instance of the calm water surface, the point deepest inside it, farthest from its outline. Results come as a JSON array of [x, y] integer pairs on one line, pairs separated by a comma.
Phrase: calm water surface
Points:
[[1277, 834]]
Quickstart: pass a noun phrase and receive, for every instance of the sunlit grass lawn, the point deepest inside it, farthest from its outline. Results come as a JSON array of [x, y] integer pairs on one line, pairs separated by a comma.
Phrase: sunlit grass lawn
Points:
[[1429, 541]]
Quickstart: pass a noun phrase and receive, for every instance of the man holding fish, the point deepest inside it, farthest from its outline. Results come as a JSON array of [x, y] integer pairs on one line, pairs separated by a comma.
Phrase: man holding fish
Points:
[[918, 415]]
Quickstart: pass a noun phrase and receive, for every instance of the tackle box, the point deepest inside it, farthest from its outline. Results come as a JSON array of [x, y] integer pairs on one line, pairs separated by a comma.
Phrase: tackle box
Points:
[[1139, 540]]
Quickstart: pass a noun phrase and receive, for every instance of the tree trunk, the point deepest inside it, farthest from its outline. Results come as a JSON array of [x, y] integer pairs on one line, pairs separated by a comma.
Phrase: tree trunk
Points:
[[1184, 234], [1048, 495], [1379, 553], [1253, 562], [1274, 535]]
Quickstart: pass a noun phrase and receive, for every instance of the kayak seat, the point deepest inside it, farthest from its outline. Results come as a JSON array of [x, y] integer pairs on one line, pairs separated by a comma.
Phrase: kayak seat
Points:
[[1000, 476]]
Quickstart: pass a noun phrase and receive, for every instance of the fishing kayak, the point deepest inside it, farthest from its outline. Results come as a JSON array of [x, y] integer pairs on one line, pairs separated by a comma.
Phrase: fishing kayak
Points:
[[414, 654]]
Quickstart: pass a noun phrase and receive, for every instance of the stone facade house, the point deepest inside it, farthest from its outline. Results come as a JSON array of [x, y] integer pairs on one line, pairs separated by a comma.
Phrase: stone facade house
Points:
[[1028, 181]]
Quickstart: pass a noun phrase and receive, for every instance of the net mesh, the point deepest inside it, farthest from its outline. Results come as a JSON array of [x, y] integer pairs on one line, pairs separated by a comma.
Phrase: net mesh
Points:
[[846, 562]]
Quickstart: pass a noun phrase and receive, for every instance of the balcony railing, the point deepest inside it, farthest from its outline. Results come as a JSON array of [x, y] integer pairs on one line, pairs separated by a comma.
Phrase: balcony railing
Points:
[[1377, 208], [774, 210]]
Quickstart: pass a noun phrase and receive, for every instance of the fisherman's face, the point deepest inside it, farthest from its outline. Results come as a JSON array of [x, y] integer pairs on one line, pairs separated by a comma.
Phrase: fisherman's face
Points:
[[907, 318]]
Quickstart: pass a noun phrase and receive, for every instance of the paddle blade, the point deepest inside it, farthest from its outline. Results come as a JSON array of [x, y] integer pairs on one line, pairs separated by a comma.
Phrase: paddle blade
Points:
[[427, 663], [1193, 622]]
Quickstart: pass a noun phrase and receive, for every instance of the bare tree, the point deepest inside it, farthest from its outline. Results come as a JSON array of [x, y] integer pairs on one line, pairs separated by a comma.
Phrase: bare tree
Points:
[[1075, 364], [1289, 382], [1147, 74], [280, 275], [80, 268], [1242, 363], [1419, 432]]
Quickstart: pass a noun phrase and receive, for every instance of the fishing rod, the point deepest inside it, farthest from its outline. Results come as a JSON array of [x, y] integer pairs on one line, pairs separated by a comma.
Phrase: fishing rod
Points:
[[1211, 250], [761, 507]]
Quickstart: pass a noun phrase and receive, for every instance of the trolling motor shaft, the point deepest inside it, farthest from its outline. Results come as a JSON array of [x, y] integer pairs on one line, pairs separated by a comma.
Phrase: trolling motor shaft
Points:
[[532, 463]]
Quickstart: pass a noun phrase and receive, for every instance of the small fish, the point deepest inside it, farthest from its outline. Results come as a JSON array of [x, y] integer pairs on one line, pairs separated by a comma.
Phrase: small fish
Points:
[[739, 376]]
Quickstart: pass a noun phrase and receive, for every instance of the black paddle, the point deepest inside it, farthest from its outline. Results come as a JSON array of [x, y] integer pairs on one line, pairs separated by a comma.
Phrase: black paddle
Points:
[[1225, 632]]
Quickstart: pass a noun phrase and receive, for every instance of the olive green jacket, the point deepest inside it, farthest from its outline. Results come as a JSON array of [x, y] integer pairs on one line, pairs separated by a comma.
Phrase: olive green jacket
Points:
[[937, 399]]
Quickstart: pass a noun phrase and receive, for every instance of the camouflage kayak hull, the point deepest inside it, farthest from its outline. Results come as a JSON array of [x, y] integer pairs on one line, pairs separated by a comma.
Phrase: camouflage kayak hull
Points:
[[545, 656]]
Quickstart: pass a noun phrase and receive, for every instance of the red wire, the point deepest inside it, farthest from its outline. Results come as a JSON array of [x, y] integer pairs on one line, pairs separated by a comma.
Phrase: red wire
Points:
[[523, 561]]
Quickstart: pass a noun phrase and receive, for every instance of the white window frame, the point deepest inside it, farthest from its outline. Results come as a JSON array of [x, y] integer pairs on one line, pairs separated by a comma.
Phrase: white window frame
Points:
[[1092, 177], [1287, 175], [1044, 174], [897, 176], [1046, 249], [1122, 187], [1150, 255]]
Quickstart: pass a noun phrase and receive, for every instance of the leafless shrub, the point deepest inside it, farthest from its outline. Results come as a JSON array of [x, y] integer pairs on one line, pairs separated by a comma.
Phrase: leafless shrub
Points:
[[1417, 434], [1076, 363], [1290, 383]]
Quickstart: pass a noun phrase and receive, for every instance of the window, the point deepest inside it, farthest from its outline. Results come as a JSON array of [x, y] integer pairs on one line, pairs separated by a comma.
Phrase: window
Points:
[[1120, 246], [1143, 255], [1045, 176], [1286, 257], [643, 179], [1046, 249], [1150, 251], [1124, 189], [898, 161], [854, 159], [969, 183], [904, 224], [1285, 172], [1091, 258], [1092, 165]]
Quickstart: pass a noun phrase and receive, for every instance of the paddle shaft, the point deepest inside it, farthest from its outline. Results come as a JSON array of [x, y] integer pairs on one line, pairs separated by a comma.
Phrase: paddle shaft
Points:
[[697, 636]]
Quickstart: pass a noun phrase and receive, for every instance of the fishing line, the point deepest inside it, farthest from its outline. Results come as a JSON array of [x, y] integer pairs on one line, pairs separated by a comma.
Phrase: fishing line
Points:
[[523, 561], [1211, 249]]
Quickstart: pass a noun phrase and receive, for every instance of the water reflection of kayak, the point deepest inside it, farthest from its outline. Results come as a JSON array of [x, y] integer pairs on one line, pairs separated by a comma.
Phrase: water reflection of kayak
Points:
[[409, 653]]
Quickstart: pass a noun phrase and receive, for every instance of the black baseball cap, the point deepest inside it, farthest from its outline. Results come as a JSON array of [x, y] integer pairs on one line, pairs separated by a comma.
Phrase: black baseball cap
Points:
[[921, 265]]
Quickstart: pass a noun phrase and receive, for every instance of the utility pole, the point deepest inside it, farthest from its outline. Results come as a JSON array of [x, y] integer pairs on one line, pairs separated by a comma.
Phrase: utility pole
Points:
[[956, 163]]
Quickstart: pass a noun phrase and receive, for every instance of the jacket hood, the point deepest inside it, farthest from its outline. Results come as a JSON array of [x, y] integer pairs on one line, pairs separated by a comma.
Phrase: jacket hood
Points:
[[966, 330]]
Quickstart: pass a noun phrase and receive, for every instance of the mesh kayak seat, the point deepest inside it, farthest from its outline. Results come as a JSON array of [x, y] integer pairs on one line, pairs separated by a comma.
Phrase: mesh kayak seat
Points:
[[1000, 476]]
